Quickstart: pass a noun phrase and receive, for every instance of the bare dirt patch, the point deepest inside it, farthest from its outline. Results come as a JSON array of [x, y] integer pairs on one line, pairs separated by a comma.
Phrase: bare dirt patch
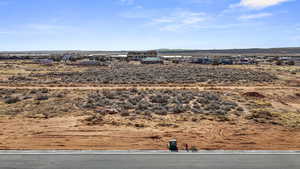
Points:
[[70, 133]]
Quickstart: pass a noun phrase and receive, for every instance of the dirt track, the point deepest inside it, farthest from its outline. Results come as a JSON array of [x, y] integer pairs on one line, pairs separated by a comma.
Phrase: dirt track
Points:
[[69, 133]]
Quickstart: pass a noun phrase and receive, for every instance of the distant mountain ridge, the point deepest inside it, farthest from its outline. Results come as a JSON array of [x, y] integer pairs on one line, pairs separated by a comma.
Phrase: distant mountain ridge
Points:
[[264, 51], [290, 50]]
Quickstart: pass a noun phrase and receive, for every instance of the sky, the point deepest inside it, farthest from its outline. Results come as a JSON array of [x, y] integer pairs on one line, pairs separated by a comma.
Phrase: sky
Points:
[[148, 24]]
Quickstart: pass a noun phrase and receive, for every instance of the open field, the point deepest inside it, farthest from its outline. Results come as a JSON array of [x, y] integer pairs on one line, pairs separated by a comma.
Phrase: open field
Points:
[[129, 106]]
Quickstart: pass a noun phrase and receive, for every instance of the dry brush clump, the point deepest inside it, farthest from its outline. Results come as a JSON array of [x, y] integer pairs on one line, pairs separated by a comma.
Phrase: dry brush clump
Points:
[[35, 103], [151, 74], [159, 102], [168, 74]]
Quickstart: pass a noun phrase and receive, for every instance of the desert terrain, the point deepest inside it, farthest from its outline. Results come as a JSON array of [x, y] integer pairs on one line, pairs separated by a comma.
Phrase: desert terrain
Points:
[[132, 106]]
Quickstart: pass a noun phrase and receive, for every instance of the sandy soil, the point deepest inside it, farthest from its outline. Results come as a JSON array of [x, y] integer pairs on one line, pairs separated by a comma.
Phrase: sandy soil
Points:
[[69, 133]]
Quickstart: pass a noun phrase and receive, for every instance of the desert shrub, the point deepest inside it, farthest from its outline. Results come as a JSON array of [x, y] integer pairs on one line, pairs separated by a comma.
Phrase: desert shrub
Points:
[[197, 111], [167, 125], [290, 62], [220, 112], [175, 101], [135, 100], [44, 90], [154, 74], [215, 62], [138, 125], [143, 105], [194, 149], [110, 95], [160, 102], [212, 106], [262, 116], [202, 100], [178, 109], [42, 97], [261, 113], [111, 111], [33, 91], [12, 100], [194, 119], [60, 95], [162, 112], [197, 106], [94, 119], [125, 114], [254, 94], [226, 108], [159, 99], [230, 103], [279, 63], [239, 109], [133, 90], [126, 105]]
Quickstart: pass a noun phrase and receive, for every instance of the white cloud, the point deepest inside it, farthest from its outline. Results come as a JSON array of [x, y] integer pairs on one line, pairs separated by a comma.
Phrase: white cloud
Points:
[[167, 19], [255, 16], [127, 2], [6, 32], [179, 20], [46, 27], [163, 20], [32, 29], [259, 4], [295, 38]]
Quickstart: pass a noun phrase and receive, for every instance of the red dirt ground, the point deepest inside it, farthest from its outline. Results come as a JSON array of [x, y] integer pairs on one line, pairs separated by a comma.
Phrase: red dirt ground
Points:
[[70, 133]]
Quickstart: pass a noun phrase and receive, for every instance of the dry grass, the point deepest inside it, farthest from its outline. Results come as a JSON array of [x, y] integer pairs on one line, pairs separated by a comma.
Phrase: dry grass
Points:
[[290, 119]]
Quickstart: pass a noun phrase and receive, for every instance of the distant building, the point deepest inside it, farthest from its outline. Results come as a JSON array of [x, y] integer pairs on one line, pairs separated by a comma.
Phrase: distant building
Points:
[[87, 62], [139, 55], [202, 61], [119, 57], [152, 60], [226, 61], [44, 61], [285, 58], [68, 57]]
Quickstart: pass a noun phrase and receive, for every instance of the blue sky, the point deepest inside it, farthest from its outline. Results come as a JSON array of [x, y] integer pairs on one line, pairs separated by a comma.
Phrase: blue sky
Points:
[[148, 24]]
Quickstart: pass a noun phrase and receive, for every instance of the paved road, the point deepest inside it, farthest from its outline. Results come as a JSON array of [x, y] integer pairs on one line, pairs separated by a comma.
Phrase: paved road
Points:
[[149, 161]]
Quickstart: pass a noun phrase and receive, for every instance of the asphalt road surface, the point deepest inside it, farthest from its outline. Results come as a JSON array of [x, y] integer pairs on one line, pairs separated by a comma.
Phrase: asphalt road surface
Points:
[[149, 161]]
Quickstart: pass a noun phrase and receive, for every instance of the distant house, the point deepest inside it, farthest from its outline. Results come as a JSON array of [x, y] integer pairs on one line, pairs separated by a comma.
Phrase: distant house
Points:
[[226, 61], [68, 57], [139, 55], [87, 62], [202, 61], [152, 60], [44, 61], [118, 57]]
